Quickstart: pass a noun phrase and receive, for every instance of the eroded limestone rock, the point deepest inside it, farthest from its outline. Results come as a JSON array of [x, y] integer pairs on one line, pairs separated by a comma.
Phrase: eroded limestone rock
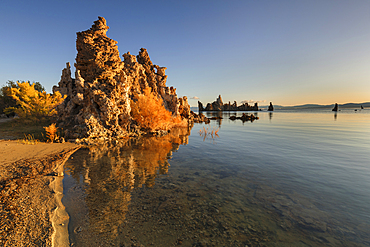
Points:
[[98, 99]]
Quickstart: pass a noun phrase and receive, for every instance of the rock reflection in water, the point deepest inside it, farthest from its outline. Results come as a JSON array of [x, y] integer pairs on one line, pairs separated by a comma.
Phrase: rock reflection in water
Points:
[[101, 179]]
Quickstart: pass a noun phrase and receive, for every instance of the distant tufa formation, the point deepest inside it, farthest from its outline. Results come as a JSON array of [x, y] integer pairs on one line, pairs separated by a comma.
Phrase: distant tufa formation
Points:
[[97, 103], [336, 107], [271, 107], [218, 105]]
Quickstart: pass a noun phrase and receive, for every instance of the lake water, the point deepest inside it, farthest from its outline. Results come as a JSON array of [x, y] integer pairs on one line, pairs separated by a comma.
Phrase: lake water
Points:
[[291, 178]]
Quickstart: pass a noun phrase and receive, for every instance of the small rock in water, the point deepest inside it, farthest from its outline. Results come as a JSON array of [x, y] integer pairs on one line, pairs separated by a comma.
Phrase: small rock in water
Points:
[[78, 229]]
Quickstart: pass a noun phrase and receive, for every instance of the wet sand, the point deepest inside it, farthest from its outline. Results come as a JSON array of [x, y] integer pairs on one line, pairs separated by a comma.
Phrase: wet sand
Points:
[[31, 213]]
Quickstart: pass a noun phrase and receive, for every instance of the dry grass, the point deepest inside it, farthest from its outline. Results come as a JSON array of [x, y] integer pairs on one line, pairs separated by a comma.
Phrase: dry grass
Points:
[[29, 140], [209, 133], [17, 129]]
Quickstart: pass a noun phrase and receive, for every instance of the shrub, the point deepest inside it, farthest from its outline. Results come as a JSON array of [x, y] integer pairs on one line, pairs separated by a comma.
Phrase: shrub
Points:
[[149, 112], [51, 132], [7, 101], [29, 140], [33, 104], [10, 111]]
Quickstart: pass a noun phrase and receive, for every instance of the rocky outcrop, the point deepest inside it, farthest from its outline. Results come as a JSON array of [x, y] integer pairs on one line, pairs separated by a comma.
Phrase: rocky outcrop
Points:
[[200, 106], [98, 56], [218, 105], [271, 107], [97, 103], [245, 117], [200, 118]]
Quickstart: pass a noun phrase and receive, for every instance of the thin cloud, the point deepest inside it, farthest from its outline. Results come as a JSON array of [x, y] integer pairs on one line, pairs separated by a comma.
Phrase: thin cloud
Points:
[[195, 97], [250, 101]]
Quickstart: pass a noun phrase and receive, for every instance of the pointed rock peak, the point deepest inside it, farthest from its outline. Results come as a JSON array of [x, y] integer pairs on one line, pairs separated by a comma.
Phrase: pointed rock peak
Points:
[[143, 57], [100, 25], [219, 99], [129, 59]]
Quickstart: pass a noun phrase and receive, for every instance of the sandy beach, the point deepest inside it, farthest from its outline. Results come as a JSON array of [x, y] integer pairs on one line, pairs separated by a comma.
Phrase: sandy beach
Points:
[[30, 193]]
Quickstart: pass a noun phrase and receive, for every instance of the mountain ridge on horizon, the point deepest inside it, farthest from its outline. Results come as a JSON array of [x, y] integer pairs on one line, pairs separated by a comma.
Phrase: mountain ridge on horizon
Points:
[[311, 106]]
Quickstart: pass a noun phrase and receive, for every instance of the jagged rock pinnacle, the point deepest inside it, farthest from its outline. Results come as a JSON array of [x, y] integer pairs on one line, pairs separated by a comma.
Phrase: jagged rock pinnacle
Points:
[[98, 100]]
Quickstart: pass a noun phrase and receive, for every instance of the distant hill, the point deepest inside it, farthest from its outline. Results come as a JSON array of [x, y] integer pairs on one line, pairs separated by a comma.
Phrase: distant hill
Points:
[[355, 105], [317, 106], [308, 106]]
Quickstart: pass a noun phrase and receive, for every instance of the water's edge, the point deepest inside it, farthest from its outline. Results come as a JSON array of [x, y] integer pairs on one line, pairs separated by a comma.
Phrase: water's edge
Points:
[[59, 217]]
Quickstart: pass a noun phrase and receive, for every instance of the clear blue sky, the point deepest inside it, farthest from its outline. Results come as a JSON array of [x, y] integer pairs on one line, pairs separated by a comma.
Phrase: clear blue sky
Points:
[[287, 52]]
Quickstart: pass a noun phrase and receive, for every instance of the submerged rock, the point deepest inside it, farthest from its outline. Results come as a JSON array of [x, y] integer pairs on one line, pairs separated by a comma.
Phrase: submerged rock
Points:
[[245, 117], [98, 99], [199, 118]]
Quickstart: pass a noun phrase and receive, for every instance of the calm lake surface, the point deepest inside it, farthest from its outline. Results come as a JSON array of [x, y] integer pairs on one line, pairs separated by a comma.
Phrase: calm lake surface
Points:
[[291, 178]]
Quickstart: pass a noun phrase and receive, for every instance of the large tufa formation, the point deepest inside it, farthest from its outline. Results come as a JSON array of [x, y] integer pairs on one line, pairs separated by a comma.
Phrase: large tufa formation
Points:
[[98, 99]]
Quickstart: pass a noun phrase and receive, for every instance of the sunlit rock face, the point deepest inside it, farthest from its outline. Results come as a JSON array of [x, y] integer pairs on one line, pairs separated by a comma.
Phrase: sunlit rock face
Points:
[[98, 56], [97, 105], [143, 73]]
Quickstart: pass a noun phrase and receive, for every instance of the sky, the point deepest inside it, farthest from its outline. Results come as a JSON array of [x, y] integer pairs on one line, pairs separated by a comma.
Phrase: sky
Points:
[[286, 52]]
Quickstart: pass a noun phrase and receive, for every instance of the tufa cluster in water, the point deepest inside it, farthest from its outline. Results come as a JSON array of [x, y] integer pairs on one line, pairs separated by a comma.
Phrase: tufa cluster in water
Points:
[[218, 105]]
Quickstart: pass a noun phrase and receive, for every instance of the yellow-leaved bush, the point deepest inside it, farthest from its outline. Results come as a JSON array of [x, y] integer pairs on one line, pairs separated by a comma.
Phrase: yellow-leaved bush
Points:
[[51, 132], [149, 112], [32, 104]]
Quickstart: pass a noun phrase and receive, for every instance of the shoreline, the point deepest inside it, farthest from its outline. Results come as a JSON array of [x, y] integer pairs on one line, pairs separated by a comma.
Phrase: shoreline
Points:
[[59, 217], [31, 189]]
